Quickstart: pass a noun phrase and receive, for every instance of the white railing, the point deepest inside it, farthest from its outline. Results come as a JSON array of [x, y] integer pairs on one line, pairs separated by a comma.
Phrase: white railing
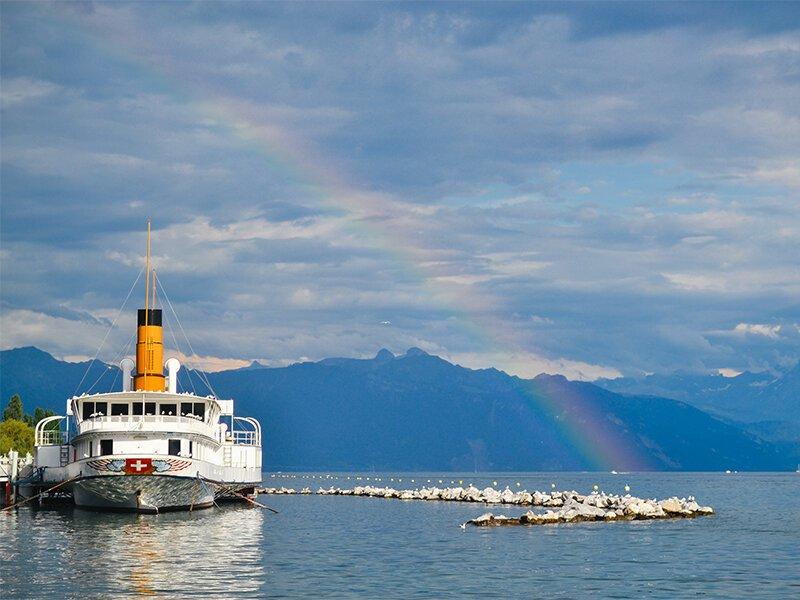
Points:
[[244, 437], [49, 437], [142, 422], [250, 437]]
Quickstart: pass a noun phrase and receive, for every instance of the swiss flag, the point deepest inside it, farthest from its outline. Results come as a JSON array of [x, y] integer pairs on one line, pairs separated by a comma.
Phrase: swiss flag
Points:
[[138, 466]]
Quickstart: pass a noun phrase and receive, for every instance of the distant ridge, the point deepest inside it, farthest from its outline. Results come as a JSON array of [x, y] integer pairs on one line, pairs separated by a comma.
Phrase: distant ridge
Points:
[[417, 411], [43, 380], [746, 398]]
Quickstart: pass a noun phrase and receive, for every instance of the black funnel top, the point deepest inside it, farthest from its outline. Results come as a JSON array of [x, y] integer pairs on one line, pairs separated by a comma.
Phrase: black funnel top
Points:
[[153, 318]]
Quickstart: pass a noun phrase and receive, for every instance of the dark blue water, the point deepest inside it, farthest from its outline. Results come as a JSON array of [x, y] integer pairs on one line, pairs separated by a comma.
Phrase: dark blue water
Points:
[[365, 547]]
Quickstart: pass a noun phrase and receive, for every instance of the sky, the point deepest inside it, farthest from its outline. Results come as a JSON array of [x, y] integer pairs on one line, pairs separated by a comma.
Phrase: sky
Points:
[[588, 189]]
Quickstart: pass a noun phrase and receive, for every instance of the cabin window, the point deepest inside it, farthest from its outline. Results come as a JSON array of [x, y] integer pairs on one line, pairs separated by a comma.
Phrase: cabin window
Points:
[[168, 409], [106, 447], [138, 408], [175, 447], [101, 408], [90, 448], [150, 408], [118, 409], [191, 449], [186, 408], [88, 410], [200, 409]]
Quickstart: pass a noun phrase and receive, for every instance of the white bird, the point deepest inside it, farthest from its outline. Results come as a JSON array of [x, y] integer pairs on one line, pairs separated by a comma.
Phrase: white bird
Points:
[[386, 322]]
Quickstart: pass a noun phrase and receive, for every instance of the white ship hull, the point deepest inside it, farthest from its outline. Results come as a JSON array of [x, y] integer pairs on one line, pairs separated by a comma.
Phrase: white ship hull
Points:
[[152, 483], [142, 493]]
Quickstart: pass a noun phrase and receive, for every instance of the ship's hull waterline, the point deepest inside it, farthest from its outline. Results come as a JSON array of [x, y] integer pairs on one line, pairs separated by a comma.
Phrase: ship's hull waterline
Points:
[[142, 493], [162, 483]]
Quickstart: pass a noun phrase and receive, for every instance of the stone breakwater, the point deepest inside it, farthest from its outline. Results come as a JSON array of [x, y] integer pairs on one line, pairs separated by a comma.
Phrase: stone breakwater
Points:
[[599, 507], [570, 506]]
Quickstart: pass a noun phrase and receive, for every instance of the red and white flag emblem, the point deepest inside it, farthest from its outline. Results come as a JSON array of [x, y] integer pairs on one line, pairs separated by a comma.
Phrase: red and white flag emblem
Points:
[[138, 466]]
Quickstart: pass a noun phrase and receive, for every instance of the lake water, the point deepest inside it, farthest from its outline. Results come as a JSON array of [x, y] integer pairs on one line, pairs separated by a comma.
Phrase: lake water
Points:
[[335, 546]]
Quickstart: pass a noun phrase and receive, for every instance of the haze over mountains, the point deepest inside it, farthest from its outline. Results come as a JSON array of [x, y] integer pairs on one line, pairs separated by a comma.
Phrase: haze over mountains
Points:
[[420, 412], [764, 403]]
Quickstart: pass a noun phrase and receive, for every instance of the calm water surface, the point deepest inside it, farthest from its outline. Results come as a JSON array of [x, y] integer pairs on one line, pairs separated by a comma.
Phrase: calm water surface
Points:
[[365, 547]]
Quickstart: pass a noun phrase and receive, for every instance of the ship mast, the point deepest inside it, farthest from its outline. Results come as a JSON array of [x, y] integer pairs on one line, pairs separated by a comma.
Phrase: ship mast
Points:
[[147, 297], [149, 344]]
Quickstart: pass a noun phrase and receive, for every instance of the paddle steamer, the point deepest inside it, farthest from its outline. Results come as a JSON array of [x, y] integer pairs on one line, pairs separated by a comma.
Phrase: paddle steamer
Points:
[[149, 447]]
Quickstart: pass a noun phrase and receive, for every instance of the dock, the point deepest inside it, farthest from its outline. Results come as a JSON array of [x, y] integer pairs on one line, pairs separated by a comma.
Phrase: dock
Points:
[[14, 469]]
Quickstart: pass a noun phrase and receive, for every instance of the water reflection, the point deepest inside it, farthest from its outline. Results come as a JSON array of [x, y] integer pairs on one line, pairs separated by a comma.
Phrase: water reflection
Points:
[[171, 554], [144, 552]]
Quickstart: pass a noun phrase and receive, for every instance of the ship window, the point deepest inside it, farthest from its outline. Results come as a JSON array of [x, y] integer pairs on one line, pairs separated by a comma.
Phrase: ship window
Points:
[[186, 408], [91, 448], [138, 408], [119, 409], [150, 408], [106, 447], [88, 410], [200, 409], [168, 409], [101, 408], [174, 447], [191, 449]]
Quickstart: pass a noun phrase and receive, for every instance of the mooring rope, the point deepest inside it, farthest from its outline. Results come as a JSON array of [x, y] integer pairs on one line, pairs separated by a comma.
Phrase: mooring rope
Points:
[[194, 492], [229, 490]]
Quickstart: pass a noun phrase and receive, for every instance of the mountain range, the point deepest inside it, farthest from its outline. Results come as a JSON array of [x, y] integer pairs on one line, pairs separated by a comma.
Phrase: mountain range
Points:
[[764, 403], [419, 412]]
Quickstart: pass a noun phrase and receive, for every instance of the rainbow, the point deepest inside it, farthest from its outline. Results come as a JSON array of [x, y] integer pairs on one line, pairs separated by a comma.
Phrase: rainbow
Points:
[[378, 219]]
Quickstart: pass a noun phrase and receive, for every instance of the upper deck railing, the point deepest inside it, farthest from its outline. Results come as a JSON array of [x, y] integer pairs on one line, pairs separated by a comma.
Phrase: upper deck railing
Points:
[[143, 423]]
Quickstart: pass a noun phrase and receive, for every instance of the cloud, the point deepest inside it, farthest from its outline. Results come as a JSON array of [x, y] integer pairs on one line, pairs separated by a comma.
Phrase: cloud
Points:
[[769, 331], [728, 372], [25, 327], [530, 365], [627, 176], [19, 90]]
